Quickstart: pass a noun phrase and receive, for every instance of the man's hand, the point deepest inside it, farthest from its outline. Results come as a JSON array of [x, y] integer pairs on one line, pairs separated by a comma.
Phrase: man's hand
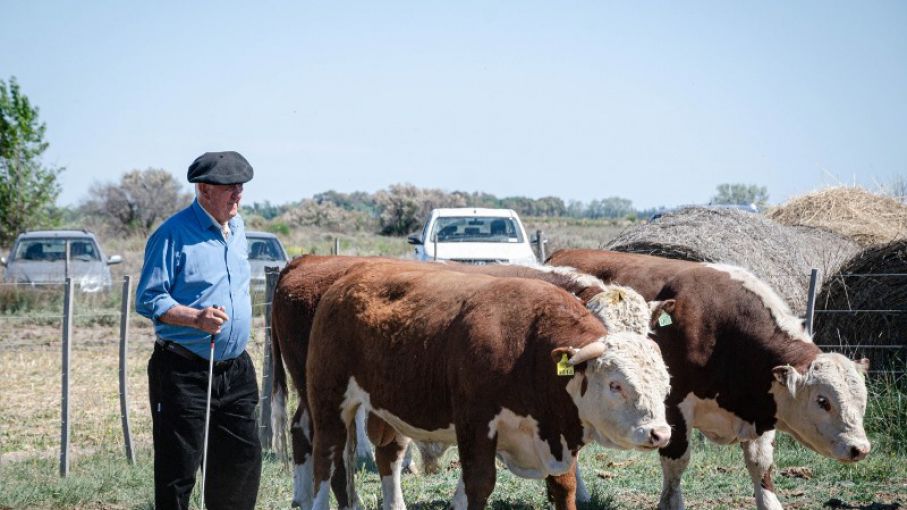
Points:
[[211, 319], [208, 319]]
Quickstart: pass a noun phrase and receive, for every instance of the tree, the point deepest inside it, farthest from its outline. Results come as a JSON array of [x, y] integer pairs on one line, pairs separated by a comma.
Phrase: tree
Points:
[[741, 194], [28, 189], [611, 207], [403, 207], [139, 201]]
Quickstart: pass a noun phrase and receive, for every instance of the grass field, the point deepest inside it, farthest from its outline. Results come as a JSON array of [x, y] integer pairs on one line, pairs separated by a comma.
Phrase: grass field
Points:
[[100, 477]]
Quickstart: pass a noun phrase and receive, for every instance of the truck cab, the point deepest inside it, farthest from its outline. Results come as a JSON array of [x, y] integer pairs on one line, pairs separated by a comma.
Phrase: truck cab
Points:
[[473, 235]]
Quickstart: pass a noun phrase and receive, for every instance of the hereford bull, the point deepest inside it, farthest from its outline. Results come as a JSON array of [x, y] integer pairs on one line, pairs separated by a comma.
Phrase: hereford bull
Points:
[[742, 365], [473, 359], [300, 288]]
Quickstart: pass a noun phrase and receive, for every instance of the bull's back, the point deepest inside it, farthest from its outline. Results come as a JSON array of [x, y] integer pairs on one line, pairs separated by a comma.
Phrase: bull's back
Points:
[[646, 274], [299, 290], [418, 339]]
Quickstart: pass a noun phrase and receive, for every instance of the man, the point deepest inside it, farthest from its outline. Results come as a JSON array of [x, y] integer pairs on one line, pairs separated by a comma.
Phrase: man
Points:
[[195, 284]]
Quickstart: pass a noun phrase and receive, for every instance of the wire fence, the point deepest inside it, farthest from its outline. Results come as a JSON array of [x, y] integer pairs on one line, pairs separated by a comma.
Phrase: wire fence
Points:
[[66, 319]]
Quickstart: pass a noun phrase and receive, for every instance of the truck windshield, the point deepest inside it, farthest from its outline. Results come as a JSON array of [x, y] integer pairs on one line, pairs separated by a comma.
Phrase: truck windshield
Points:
[[476, 229]]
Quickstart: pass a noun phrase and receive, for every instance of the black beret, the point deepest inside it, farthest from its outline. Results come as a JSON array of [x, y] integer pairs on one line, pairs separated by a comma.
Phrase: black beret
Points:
[[220, 168]]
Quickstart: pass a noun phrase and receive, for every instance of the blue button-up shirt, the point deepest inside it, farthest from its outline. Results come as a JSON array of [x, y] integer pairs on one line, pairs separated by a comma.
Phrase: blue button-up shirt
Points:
[[188, 262]]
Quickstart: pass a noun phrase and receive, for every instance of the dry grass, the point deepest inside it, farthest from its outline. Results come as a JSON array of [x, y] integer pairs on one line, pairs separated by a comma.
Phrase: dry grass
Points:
[[850, 211]]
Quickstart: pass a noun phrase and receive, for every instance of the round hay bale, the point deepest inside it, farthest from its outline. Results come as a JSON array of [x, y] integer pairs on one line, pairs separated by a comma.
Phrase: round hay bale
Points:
[[771, 251], [867, 282], [851, 211], [825, 250], [664, 250]]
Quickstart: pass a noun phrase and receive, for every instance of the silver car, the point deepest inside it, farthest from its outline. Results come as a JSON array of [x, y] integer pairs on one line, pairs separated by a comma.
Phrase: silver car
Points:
[[39, 257], [265, 250]]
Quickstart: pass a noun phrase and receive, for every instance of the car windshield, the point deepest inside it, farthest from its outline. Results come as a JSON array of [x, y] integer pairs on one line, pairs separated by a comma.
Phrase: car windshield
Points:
[[265, 249], [477, 229], [55, 249]]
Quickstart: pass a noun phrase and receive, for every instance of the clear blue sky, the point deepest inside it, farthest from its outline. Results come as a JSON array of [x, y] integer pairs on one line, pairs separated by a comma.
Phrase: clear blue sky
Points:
[[657, 102]]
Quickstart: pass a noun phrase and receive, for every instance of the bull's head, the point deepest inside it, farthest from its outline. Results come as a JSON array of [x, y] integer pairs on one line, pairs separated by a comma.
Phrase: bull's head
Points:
[[621, 309], [824, 408], [619, 390]]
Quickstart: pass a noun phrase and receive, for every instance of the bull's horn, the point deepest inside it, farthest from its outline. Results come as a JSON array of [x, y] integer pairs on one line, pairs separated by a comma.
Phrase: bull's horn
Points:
[[590, 351]]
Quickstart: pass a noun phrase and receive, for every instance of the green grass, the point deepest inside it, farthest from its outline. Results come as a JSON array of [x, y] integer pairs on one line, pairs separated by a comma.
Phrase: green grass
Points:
[[716, 479]]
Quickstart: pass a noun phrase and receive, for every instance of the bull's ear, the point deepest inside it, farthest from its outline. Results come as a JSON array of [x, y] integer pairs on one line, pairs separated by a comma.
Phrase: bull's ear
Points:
[[561, 357], [662, 313], [788, 376], [862, 365], [558, 353]]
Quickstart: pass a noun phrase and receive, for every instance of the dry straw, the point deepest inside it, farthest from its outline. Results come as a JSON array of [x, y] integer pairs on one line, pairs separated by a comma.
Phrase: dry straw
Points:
[[780, 255], [850, 211], [874, 282]]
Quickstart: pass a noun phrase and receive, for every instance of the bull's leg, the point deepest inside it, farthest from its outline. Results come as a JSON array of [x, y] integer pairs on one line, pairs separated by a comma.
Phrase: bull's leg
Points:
[[758, 455], [347, 471], [477, 454], [333, 428], [674, 461], [389, 458], [327, 456], [672, 472], [300, 434], [562, 489]]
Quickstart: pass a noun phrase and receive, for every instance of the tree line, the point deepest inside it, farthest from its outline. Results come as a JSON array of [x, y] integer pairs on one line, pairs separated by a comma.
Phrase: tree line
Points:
[[142, 198]]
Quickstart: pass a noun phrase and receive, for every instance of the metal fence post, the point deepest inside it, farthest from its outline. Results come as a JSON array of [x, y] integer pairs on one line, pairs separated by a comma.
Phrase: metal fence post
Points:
[[64, 398], [265, 432], [124, 339], [541, 246], [811, 300]]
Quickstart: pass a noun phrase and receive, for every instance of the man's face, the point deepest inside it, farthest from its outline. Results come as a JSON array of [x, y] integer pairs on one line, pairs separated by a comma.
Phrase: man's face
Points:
[[221, 200]]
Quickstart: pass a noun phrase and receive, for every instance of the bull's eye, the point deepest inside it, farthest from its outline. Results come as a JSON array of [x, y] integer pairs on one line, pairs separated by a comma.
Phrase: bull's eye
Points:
[[823, 403], [615, 387]]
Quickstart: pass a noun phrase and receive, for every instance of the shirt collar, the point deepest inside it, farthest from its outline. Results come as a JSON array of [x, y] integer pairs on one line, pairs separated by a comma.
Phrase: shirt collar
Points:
[[224, 229]]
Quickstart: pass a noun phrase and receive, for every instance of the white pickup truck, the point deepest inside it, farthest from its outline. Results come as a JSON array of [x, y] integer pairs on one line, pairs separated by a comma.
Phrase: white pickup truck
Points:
[[473, 235]]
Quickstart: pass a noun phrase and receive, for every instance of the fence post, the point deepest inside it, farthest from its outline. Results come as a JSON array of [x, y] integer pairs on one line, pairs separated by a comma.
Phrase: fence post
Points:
[[124, 343], [66, 259], [336, 246], [265, 432], [541, 246], [811, 300], [435, 241], [64, 398]]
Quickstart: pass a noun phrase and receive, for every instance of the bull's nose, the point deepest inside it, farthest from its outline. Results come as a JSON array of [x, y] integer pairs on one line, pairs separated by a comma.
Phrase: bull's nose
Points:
[[659, 437], [859, 452]]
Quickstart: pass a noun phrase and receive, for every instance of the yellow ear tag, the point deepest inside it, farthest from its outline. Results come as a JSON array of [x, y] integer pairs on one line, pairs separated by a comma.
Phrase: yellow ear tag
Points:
[[564, 368], [664, 319], [616, 296]]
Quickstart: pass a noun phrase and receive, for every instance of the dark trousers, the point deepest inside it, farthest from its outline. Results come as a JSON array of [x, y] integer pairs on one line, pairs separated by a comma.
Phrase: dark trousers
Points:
[[178, 388]]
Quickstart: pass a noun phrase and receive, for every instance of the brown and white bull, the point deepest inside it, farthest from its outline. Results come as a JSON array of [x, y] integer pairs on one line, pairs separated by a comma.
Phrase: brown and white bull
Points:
[[299, 292], [472, 359], [742, 365]]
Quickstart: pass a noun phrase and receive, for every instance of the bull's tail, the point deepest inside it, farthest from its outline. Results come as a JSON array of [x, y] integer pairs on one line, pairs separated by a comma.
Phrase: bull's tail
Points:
[[278, 396]]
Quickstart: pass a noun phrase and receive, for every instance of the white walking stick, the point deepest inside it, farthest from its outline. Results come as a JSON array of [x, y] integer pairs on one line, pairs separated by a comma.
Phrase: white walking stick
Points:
[[207, 421]]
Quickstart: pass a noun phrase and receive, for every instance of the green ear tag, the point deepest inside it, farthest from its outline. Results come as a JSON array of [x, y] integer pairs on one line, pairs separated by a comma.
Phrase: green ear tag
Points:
[[564, 368], [664, 319]]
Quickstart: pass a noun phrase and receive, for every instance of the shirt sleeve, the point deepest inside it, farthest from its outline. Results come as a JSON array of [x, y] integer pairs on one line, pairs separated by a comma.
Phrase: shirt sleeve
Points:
[[153, 297]]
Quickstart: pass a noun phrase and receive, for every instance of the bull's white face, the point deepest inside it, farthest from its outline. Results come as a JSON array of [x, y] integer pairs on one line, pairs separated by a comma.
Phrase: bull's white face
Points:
[[824, 408], [625, 390]]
